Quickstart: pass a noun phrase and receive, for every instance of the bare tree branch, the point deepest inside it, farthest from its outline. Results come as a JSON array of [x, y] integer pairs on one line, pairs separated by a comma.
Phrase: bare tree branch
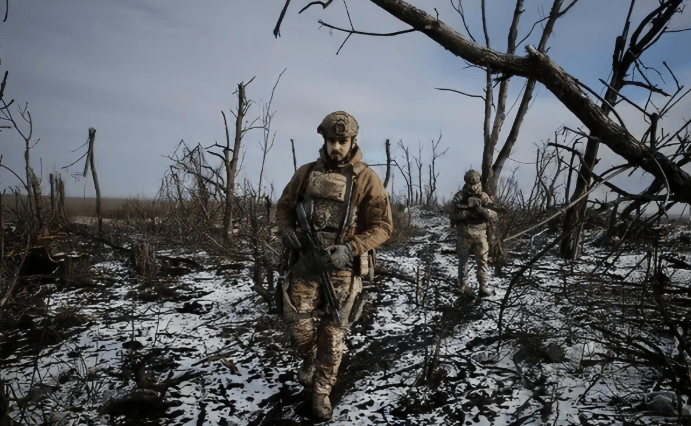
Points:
[[462, 93], [366, 33], [459, 9], [323, 5], [561, 84], [673, 76], [645, 86], [624, 98], [277, 28], [678, 31]]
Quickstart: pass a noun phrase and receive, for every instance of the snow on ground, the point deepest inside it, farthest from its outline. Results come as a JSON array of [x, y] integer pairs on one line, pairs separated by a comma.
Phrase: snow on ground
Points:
[[420, 355]]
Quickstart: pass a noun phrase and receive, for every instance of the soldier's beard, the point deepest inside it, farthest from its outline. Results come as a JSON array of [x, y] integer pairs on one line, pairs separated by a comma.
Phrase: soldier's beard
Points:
[[336, 156], [334, 160]]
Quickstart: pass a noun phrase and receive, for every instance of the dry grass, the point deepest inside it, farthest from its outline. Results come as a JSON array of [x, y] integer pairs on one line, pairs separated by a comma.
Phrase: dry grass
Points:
[[403, 230], [113, 208]]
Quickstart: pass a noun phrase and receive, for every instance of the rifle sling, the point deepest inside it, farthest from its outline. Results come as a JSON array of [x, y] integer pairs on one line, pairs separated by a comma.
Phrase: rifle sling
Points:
[[349, 190]]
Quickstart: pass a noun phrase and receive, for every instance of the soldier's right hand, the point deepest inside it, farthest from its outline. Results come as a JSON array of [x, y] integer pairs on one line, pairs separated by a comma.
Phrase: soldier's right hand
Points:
[[290, 240], [484, 213]]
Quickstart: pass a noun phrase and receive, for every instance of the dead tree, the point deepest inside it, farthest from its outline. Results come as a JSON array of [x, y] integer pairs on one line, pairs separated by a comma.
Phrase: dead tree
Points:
[[433, 174], [419, 165], [491, 168], [90, 161], [407, 173], [32, 183], [231, 156], [655, 25], [57, 199]]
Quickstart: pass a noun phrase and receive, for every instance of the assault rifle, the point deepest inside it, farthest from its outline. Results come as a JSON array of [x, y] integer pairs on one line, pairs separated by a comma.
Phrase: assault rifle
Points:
[[315, 252], [487, 206]]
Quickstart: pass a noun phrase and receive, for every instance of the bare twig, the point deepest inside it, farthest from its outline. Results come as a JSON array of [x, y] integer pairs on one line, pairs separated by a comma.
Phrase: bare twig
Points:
[[459, 9], [277, 28], [322, 4], [366, 33], [462, 93]]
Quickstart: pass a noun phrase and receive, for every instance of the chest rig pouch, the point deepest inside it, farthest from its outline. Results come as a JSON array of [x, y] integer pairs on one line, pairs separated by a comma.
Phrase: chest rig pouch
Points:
[[327, 201]]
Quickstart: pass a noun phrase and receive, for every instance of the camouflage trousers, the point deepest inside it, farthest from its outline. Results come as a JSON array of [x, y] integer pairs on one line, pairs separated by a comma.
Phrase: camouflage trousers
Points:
[[321, 337], [472, 238]]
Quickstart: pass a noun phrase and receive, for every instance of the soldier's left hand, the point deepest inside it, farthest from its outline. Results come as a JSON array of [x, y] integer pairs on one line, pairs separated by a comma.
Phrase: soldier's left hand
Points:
[[339, 256]]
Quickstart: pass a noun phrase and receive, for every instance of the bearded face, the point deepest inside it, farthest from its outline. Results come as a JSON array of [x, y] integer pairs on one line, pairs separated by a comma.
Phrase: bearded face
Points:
[[338, 148]]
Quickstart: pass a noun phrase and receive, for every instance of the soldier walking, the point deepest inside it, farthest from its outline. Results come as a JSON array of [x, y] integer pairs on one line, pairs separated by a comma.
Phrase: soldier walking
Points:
[[471, 218], [346, 211]]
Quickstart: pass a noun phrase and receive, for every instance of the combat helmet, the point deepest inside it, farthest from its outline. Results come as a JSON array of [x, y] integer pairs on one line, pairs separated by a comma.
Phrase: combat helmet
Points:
[[338, 124], [472, 177]]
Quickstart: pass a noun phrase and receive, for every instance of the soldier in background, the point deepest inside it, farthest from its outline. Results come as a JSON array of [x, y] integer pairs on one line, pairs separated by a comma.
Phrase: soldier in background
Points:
[[348, 211], [471, 218]]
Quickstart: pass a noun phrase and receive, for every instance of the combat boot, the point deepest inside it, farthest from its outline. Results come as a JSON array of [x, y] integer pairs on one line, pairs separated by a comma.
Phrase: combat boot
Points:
[[483, 292], [321, 406], [463, 289], [306, 371]]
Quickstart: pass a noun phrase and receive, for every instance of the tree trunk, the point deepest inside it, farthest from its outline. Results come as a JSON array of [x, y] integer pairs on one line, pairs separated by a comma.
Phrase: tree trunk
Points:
[[90, 161], [36, 189], [228, 210], [242, 107], [29, 185], [495, 172], [53, 189], [61, 188]]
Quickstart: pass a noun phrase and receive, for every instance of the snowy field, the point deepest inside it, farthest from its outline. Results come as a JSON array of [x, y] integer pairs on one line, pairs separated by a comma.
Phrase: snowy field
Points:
[[419, 356]]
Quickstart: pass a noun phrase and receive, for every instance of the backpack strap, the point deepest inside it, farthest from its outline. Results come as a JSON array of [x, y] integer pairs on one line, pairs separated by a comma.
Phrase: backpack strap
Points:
[[349, 191], [303, 185]]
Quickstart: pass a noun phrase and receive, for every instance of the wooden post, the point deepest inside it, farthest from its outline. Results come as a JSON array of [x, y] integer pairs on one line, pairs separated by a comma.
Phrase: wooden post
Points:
[[61, 192], [387, 145], [90, 160], [52, 195], [36, 189], [227, 158], [295, 161]]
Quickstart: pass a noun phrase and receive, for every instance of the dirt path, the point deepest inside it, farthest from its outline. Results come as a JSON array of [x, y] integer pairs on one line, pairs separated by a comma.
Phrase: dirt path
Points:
[[419, 356]]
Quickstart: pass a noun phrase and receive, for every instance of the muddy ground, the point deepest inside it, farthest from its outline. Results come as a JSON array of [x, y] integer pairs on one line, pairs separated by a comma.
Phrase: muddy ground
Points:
[[196, 345]]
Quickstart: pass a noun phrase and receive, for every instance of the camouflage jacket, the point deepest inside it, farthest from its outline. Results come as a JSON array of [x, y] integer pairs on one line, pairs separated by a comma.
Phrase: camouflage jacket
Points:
[[369, 223], [464, 214]]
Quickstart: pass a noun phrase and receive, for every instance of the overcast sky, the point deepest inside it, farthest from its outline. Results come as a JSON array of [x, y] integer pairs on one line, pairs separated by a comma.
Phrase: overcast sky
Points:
[[149, 73]]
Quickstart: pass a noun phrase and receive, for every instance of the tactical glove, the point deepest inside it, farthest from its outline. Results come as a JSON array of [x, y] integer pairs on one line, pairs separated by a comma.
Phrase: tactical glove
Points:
[[474, 202], [484, 214], [338, 257], [290, 240]]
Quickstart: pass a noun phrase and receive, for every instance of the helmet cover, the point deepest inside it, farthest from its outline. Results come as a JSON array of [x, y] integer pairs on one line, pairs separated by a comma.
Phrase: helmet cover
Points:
[[338, 124], [472, 177]]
